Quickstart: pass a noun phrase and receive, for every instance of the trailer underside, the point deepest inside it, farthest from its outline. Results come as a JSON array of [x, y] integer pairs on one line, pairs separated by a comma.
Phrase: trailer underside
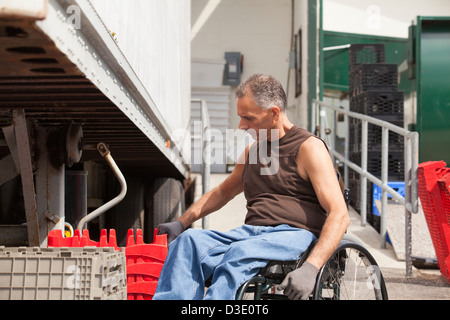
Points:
[[38, 78], [63, 91]]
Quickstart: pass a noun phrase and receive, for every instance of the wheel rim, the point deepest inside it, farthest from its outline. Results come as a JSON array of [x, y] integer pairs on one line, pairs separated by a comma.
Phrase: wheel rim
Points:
[[350, 274]]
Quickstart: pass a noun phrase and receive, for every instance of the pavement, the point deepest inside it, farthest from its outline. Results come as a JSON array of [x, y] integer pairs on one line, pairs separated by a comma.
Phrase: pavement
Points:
[[424, 284]]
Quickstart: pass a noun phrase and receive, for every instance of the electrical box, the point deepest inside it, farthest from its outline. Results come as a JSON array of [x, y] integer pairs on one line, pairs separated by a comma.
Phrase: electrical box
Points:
[[233, 68]]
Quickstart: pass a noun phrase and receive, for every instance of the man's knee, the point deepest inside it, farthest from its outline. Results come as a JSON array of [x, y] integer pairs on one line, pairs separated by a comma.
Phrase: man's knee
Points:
[[192, 235], [187, 235]]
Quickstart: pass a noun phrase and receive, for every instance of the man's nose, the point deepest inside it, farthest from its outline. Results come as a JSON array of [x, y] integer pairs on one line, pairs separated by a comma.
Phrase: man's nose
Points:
[[243, 125]]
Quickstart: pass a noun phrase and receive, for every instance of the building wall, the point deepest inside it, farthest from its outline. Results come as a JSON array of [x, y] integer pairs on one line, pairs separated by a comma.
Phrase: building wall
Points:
[[260, 30]]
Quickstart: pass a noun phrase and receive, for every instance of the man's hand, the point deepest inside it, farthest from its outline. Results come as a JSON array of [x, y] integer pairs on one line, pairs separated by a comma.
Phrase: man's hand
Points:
[[299, 283], [172, 229]]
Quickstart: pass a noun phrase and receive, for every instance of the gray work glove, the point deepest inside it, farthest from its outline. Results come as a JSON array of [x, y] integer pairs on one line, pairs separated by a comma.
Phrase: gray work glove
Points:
[[299, 283], [172, 229]]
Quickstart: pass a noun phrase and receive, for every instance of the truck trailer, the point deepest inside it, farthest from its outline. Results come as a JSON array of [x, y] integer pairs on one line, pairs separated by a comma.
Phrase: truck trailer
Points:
[[91, 93]]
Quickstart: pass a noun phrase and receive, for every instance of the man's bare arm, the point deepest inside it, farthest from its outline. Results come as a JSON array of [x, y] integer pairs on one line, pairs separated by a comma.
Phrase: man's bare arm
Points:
[[315, 163], [217, 197]]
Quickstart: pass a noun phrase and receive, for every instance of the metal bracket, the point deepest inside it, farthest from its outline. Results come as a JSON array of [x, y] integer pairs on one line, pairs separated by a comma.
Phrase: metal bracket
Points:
[[26, 170]]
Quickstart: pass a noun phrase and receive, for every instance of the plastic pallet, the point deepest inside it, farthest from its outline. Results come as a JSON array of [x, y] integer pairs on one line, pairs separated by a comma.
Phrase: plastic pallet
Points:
[[379, 103], [430, 196], [62, 274], [396, 162], [373, 77], [366, 53], [377, 192], [374, 137], [143, 261], [144, 264]]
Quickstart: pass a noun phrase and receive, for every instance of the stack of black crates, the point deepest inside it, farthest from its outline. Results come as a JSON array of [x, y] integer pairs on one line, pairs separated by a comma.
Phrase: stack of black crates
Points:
[[374, 92]]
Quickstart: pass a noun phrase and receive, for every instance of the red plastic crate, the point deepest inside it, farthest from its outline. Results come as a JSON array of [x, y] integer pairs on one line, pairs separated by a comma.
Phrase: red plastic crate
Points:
[[429, 174], [57, 240], [144, 264], [444, 187], [144, 261]]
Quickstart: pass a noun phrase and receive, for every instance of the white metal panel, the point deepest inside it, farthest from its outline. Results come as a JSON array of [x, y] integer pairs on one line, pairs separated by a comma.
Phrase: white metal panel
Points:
[[126, 77], [154, 36]]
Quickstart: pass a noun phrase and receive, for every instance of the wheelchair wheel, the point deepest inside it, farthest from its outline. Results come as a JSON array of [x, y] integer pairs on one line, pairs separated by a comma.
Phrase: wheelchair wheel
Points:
[[351, 273]]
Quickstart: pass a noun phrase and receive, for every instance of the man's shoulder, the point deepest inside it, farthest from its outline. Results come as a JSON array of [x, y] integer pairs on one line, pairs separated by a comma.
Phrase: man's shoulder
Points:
[[313, 144]]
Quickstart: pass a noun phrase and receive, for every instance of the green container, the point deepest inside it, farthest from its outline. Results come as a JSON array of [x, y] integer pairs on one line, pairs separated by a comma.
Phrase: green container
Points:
[[432, 72]]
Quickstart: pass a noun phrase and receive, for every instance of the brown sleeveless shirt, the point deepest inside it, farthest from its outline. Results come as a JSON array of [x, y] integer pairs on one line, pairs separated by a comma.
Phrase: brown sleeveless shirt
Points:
[[279, 195]]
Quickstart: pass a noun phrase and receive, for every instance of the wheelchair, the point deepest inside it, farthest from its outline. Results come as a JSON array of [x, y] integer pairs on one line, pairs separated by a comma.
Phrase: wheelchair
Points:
[[351, 273]]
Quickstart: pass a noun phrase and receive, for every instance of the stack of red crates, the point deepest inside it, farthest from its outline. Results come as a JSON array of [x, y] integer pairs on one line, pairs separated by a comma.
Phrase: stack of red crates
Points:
[[144, 264], [57, 240], [144, 261], [434, 187], [444, 187]]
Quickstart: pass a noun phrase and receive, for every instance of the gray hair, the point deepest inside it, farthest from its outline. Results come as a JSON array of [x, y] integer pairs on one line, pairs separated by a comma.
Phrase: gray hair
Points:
[[266, 91]]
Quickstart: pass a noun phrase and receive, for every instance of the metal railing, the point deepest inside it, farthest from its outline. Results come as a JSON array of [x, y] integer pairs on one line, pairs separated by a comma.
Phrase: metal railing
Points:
[[411, 146], [206, 151]]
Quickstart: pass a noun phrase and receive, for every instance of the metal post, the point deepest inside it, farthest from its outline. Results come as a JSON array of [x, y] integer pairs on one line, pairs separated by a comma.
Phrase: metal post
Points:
[[322, 118], [363, 196], [334, 134], [408, 227], [414, 177], [26, 170], [50, 186], [347, 148], [384, 180], [206, 155]]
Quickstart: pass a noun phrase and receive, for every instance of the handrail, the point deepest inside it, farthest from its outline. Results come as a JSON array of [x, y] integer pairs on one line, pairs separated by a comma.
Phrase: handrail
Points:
[[411, 144], [206, 152]]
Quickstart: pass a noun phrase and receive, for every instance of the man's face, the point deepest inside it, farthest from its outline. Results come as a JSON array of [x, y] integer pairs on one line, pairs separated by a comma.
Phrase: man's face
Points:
[[253, 117]]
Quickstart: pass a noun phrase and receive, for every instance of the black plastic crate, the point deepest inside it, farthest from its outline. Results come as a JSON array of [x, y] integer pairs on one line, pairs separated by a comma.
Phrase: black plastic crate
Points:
[[354, 184], [396, 164], [374, 137], [379, 104], [366, 53], [373, 77]]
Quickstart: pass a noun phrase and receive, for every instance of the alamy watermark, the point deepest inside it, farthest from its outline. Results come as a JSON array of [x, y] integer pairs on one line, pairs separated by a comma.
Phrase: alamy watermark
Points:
[[374, 277], [266, 153], [74, 17], [74, 280], [373, 17]]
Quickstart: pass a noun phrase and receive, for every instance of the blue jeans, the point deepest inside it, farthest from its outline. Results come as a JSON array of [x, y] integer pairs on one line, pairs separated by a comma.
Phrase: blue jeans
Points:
[[231, 258]]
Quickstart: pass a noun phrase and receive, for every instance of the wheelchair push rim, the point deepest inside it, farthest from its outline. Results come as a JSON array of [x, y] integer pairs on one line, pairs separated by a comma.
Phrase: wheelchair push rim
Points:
[[351, 273]]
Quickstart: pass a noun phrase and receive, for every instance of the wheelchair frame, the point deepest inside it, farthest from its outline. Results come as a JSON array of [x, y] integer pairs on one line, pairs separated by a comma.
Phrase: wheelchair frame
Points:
[[330, 278]]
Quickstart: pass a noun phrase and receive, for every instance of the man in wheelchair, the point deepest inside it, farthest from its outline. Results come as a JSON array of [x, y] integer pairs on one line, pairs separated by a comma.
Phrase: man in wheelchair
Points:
[[293, 198]]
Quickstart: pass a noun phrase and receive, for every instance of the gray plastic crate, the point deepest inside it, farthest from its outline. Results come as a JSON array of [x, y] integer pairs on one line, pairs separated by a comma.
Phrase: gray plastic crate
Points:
[[62, 274]]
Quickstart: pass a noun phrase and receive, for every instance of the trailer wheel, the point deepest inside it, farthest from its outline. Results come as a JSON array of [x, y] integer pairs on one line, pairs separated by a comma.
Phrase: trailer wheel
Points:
[[166, 203]]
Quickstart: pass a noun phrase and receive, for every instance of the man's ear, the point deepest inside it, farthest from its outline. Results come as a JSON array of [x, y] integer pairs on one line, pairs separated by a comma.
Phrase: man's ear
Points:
[[275, 113]]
